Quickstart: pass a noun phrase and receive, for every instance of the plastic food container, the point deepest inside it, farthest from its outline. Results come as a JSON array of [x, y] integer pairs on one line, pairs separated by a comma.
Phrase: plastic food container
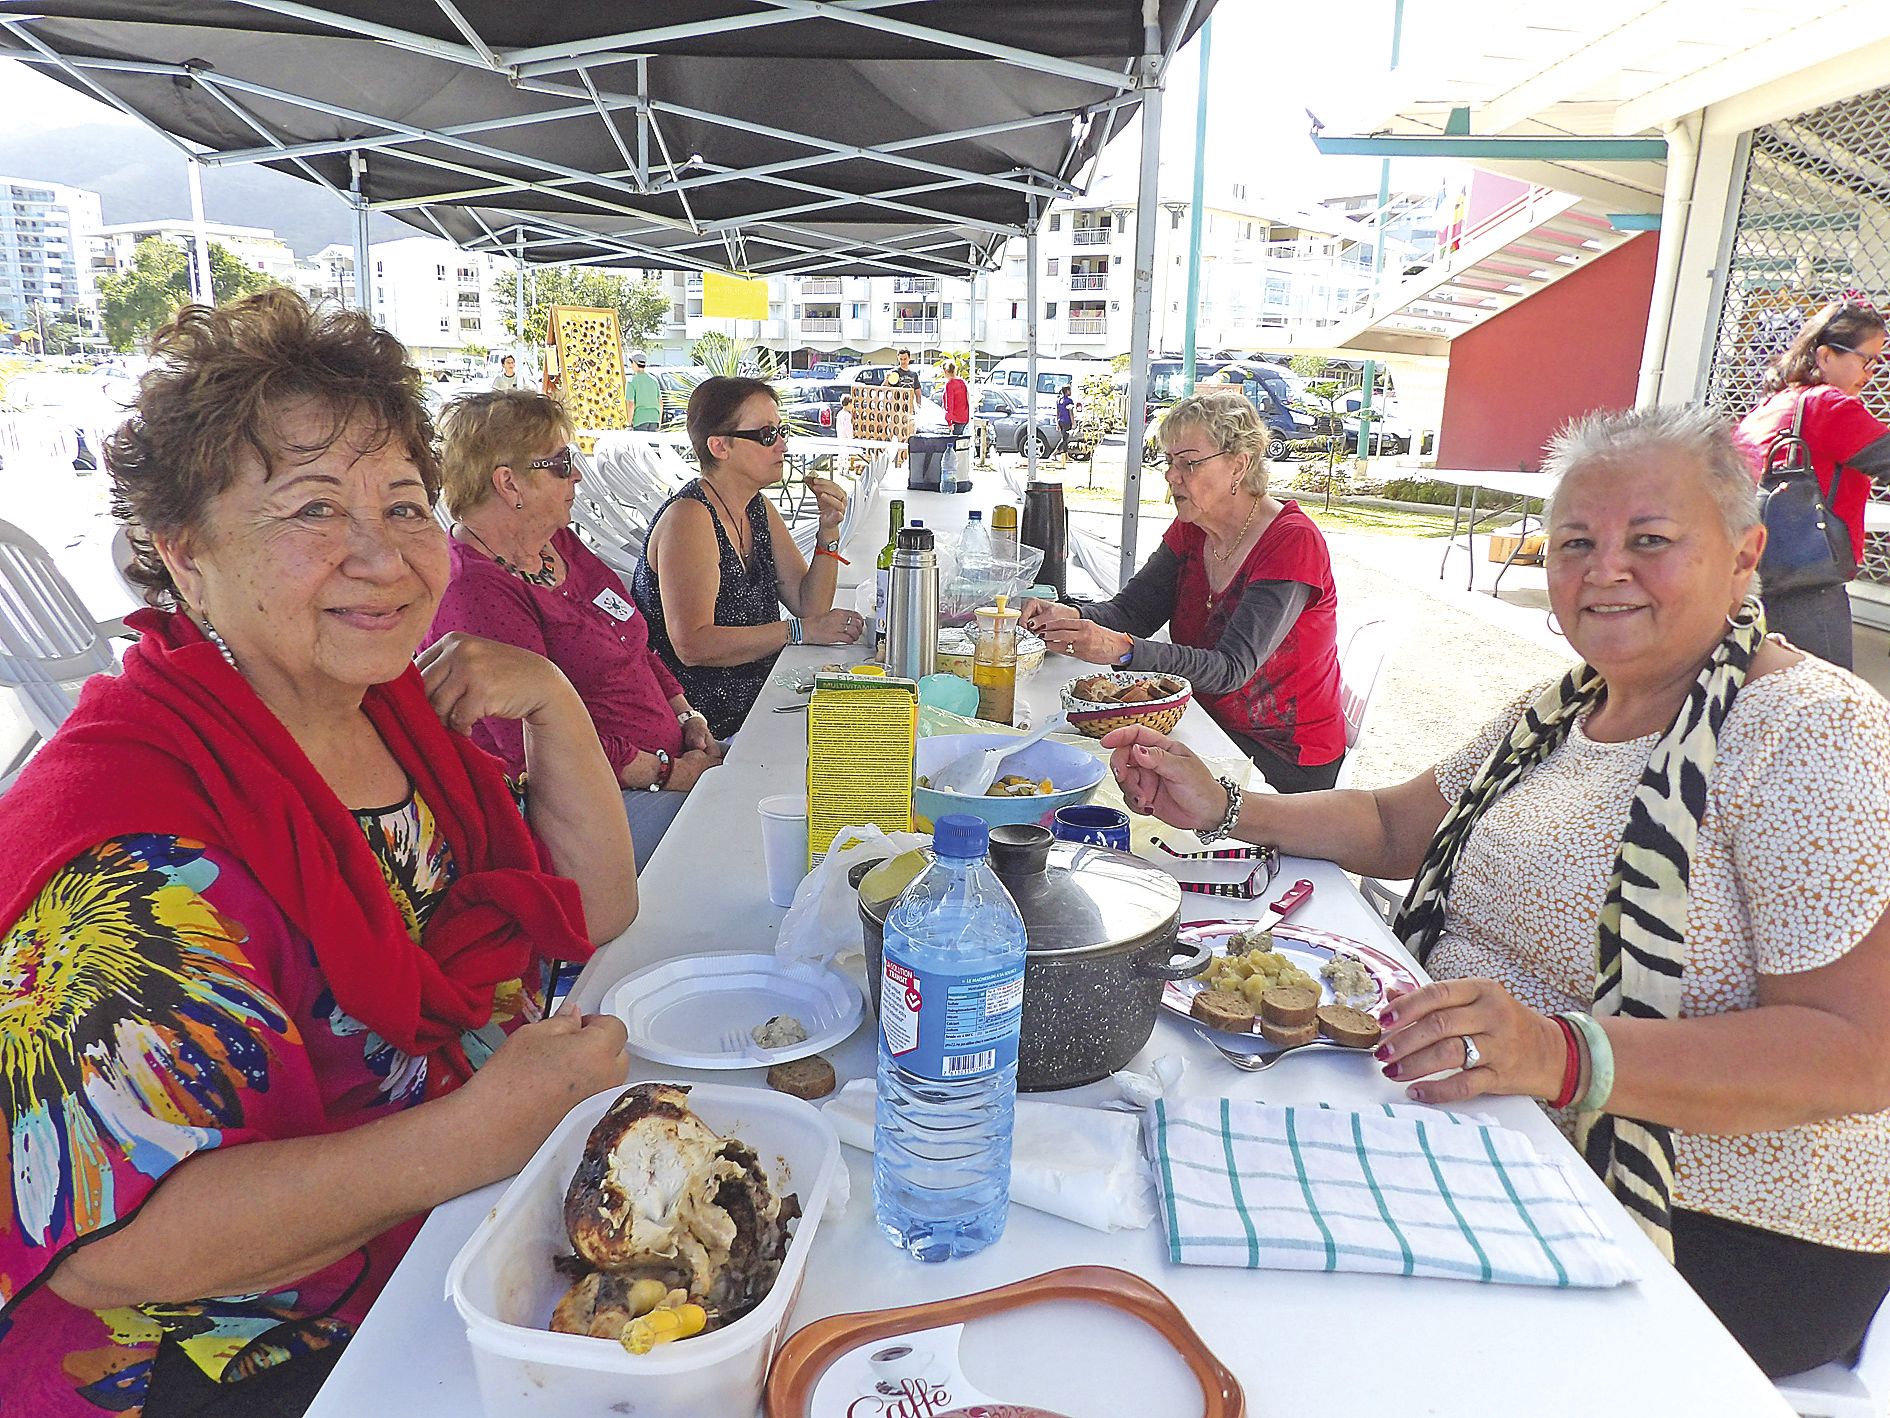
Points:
[[504, 1287], [1074, 772]]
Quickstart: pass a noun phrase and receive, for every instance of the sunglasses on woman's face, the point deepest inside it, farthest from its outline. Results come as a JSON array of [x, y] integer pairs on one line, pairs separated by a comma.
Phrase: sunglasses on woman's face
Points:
[[561, 464], [767, 436]]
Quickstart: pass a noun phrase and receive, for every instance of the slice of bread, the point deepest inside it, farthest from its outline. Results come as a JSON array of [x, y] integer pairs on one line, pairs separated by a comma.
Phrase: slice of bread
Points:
[[808, 1078], [1223, 1009], [1353, 1028], [1289, 1006], [1288, 1036]]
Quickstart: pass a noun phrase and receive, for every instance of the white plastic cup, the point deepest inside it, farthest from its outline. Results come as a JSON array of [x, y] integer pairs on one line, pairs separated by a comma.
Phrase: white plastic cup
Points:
[[784, 844]]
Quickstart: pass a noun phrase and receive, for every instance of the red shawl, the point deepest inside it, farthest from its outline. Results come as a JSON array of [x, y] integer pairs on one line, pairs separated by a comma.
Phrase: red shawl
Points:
[[179, 744]]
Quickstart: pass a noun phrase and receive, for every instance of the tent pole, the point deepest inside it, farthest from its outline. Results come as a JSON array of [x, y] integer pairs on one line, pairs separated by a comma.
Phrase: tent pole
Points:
[[1147, 191], [971, 375], [1193, 306], [363, 278], [518, 296], [202, 290], [1030, 342]]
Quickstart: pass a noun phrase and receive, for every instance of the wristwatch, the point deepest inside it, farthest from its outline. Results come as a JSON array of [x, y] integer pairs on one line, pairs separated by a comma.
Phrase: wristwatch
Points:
[[663, 765], [831, 547], [689, 714]]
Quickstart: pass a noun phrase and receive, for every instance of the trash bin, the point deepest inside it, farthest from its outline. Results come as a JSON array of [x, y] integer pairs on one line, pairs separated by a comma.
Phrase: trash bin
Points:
[[925, 455]]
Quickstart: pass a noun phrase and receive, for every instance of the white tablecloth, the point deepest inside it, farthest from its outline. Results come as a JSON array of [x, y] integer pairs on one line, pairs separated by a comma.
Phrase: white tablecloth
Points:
[[1367, 1344]]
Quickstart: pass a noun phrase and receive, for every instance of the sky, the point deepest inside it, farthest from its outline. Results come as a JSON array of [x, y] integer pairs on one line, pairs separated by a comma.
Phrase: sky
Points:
[[1269, 64]]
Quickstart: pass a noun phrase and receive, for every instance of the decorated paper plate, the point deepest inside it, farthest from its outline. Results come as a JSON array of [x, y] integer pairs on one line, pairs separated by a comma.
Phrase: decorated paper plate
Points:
[[1320, 954]]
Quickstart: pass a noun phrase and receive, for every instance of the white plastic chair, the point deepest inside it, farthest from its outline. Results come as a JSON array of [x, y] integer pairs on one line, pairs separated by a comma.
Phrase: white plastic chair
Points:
[[1840, 1391], [615, 531], [48, 640], [1361, 665], [1093, 556]]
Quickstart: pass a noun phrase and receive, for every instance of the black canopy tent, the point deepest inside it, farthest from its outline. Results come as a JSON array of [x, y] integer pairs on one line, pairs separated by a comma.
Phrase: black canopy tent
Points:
[[842, 137]]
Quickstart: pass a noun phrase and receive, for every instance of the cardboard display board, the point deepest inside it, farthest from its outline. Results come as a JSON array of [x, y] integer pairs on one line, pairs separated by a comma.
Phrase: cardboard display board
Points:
[[589, 360]]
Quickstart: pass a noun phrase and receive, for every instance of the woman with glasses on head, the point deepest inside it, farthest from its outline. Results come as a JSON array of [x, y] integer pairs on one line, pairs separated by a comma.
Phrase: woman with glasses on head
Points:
[[522, 576], [1823, 373], [719, 564], [1244, 583]]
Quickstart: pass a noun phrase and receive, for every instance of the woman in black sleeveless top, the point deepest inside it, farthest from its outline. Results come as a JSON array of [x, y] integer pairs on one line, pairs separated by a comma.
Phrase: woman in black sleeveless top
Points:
[[719, 564]]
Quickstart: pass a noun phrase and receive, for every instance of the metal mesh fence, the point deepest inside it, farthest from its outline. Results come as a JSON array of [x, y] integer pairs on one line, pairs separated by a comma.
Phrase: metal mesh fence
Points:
[[1814, 225]]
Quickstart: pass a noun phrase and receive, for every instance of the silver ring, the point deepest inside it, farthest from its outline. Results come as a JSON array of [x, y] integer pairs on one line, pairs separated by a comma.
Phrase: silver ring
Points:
[[1472, 1055]]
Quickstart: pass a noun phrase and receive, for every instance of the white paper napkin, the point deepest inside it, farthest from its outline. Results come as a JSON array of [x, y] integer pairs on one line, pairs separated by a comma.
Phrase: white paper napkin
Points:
[[1078, 1163]]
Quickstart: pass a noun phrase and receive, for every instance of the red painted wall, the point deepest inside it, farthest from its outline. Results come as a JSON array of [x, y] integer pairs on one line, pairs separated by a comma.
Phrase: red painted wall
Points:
[[1570, 348]]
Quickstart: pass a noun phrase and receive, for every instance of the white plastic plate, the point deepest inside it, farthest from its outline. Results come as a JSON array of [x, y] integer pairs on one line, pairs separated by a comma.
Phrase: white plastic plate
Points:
[[698, 1011]]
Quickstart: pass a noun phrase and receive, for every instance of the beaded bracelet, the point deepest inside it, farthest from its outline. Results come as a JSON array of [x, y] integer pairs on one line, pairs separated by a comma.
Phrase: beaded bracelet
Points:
[[1600, 1062]]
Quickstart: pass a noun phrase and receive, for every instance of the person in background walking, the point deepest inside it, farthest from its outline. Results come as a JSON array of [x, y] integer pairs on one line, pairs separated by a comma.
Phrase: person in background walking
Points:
[[957, 401], [643, 394], [1825, 370], [1066, 420]]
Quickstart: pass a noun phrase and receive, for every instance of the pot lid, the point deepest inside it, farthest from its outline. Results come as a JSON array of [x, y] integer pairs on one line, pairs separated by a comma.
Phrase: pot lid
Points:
[[1072, 896]]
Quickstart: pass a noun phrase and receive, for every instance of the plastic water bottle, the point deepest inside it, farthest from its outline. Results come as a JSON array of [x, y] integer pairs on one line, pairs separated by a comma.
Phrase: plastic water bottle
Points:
[[951, 1007]]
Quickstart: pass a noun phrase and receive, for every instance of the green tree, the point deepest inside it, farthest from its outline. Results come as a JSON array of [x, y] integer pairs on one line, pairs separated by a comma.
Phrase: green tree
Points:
[[641, 306], [136, 301]]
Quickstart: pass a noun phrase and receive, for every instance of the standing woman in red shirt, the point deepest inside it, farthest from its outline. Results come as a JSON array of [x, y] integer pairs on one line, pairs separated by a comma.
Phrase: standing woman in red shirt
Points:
[[1825, 369], [957, 401], [1244, 583]]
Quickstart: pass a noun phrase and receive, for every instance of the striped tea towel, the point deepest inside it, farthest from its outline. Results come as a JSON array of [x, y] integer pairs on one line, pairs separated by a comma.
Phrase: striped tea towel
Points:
[[1399, 1191]]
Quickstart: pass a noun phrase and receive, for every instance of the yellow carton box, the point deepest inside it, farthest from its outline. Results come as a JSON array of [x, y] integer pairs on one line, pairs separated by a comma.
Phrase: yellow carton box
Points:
[[862, 736]]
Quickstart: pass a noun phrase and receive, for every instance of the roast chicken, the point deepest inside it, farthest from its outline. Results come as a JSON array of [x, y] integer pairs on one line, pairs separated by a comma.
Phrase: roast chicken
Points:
[[661, 1196]]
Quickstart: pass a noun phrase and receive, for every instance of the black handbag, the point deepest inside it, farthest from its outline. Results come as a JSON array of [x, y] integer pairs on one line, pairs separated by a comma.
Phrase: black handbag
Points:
[[1806, 547]]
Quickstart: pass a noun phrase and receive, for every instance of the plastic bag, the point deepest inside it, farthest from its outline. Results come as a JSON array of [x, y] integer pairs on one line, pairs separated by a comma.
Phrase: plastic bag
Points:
[[823, 924], [967, 582]]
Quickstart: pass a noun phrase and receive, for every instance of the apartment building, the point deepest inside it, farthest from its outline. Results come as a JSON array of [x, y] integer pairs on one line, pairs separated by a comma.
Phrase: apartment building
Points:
[[46, 232], [115, 247], [437, 299], [1263, 270]]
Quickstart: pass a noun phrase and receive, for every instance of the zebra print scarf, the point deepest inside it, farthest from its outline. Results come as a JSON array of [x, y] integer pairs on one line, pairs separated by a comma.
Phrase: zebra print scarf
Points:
[[1640, 937]]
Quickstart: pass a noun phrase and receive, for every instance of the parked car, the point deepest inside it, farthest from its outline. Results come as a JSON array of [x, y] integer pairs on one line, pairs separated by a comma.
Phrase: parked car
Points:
[[1390, 433], [811, 407], [1000, 421]]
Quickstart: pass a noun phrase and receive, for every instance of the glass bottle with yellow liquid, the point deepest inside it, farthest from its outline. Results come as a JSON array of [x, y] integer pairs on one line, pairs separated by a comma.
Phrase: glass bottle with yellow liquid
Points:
[[994, 662]]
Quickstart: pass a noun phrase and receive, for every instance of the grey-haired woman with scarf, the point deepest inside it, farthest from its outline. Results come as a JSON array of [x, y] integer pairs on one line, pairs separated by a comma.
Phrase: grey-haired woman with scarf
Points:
[[1652, 894]]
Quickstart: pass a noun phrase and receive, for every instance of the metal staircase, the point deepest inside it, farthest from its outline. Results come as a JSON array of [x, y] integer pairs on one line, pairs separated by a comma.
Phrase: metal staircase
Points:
[[1526, 246]]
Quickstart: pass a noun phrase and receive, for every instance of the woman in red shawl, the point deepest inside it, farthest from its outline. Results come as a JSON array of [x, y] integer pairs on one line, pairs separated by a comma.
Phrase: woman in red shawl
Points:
[[272, 934]]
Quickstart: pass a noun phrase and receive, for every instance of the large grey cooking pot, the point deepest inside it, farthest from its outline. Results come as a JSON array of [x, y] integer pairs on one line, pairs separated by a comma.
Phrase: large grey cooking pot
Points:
[[1101, 928]]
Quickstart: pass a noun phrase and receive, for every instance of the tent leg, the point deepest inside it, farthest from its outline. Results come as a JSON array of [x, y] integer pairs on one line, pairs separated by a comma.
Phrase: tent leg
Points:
[[204, 293], [1145, 201], [363, 277], [1030, 342]]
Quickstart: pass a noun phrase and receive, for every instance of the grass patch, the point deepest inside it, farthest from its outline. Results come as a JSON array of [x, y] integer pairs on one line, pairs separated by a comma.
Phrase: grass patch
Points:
[[1381, 521]]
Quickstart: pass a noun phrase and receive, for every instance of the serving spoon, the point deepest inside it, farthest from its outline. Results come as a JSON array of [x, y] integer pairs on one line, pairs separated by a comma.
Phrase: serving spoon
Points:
[[972, 774]]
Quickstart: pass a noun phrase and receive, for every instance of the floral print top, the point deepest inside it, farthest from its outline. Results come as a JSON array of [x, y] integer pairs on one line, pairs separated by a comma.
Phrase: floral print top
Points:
[[154, 1003]]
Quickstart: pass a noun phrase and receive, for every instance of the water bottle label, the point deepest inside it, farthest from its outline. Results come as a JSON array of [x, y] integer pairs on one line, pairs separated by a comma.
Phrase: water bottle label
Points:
[[951, 1027]]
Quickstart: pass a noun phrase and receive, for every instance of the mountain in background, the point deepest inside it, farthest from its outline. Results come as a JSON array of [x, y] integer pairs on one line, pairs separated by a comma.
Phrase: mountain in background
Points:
[[140, 177]]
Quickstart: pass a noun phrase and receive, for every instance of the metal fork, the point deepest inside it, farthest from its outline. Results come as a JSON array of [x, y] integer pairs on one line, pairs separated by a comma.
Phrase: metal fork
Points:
[[1257, 1060]]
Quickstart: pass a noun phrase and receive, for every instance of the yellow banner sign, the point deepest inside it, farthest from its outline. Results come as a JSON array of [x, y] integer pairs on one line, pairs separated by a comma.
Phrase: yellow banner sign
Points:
[[733, 297]]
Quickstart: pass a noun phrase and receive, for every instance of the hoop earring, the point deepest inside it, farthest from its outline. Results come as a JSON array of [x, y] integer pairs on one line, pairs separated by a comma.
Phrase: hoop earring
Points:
[[1555, 627]]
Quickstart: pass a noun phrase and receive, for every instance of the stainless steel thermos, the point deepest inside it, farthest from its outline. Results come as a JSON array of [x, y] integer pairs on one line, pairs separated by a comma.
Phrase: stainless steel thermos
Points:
[[912, 605]]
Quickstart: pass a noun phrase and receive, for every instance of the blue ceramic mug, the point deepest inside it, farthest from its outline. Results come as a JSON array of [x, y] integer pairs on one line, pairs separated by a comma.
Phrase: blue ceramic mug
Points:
[[1099, 826]]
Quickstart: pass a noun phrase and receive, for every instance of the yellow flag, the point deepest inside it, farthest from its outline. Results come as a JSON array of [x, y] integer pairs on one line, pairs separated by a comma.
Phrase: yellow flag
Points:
[[733, 297]]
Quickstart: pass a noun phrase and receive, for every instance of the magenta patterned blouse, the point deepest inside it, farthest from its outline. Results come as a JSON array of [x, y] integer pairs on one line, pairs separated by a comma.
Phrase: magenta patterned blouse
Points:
[[588, 627]]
